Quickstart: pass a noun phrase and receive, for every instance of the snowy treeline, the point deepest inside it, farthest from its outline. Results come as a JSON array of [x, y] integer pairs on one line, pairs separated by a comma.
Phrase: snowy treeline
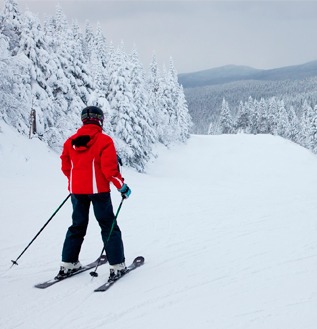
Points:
[[269, 116], [56, 69], [204, 103]]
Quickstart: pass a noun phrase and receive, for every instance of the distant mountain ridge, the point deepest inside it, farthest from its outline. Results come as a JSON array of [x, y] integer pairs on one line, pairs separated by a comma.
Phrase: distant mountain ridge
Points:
[[232, 73]]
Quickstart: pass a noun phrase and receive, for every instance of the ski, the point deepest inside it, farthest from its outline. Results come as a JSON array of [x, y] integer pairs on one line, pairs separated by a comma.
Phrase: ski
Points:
[[138, 261], [100, 261]]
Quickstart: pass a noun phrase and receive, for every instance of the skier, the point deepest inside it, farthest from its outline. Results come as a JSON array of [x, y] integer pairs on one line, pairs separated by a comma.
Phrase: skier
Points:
[[90, 163]]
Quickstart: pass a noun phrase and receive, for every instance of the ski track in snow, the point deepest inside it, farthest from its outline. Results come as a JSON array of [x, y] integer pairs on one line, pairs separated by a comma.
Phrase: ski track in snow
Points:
[[227, 226]]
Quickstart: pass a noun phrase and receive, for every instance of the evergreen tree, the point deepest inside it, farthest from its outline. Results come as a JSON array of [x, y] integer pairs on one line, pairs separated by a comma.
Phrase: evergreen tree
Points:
[[99, 72], [42, 70], [122, 107], [308, 118], [242, 123], [11, 22], [225, 119], [97, 96], [165, 115], [173, 119], [68, 47], [143, 126], [283, 125], [5, 77], [100, 46], [101, 54], [180, 120], [313, 131], [14, 88], [211, 129], [183, 117], [250, 105], [293, 133], [61, 23], [89, 41], [153, 87], [272, 115], [173, 128], [263, 119]]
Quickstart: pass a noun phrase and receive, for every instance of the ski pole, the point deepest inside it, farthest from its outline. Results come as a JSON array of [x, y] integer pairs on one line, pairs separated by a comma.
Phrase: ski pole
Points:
[[94, 273], [14, 262]]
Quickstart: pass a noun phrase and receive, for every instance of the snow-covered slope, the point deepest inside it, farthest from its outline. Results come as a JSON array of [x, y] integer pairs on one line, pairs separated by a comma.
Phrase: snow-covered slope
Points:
[[227, 225]]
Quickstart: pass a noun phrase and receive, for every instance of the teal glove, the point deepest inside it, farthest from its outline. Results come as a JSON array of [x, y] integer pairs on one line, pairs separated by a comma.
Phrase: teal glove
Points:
[[125, 191]]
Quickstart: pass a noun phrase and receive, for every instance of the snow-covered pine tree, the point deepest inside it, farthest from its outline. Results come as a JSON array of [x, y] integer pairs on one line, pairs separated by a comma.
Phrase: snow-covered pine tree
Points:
[[242, 123], [15, 93], [283, 125], [143, 124], [15, 96], [225, 119], [153, 87], [173, 120], [183, 117], [101, 53], [42, 67], [11, 22], [293, 120], [263, 120], [253, 115], [211, 129], [99, 74], [272, 115], [79, 71], [313, 131], [180, 120], [74, 78], [101, 46], [61, 23], [306, 125], [56, 32], [165, 118], [6, 79], [88, 41], [122, 107], [67, 98], [97, 96]]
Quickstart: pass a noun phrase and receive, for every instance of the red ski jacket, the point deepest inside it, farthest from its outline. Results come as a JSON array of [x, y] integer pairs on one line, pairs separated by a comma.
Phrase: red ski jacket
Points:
[[89, 161]]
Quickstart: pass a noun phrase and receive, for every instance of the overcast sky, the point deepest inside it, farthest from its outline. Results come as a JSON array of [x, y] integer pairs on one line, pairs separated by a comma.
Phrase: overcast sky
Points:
[[201, 35]]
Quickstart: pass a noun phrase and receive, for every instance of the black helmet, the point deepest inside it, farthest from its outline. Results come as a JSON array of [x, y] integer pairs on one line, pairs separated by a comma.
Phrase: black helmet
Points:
[[92, 114]]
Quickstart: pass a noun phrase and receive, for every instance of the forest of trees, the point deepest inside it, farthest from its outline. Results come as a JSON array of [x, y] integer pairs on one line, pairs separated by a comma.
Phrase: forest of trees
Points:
[[270, 116], [205, 103], [55, 69]]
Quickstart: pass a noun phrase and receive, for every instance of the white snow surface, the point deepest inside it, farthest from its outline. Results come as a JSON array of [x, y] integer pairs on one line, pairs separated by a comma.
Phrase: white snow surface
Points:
[[227, 225]]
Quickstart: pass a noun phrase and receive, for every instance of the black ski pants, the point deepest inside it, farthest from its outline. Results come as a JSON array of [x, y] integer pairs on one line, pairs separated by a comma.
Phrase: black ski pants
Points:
[[103, 211]]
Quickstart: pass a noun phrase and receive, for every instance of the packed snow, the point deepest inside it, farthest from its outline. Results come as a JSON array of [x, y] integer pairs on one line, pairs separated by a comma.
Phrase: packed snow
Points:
[[227, 225]]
